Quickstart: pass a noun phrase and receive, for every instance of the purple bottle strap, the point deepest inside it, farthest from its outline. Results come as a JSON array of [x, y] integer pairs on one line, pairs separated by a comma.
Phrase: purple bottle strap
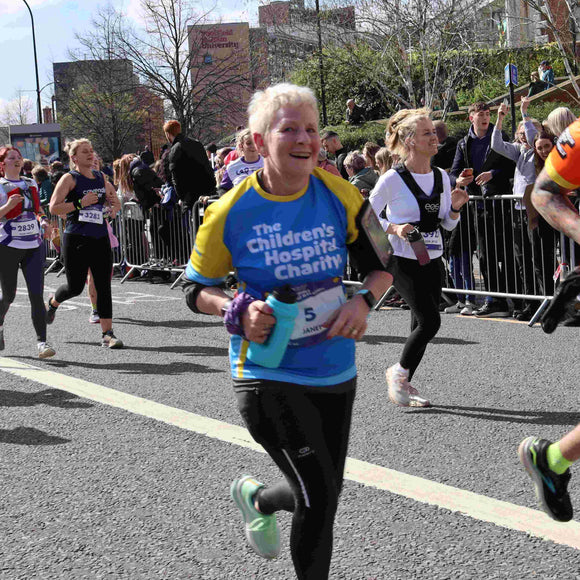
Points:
[[233, 315]]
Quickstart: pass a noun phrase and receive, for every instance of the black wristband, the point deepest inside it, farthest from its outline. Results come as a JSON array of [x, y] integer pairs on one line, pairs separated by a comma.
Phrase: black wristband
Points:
[[455, 210], [78, 205]]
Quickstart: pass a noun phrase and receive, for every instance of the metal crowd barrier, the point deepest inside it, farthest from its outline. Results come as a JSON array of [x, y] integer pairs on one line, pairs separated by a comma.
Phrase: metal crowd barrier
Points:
[[158, 240], [492, 251]]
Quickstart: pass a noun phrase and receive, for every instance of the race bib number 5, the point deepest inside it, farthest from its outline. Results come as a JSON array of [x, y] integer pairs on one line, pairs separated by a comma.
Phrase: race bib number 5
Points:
[[316, 301]]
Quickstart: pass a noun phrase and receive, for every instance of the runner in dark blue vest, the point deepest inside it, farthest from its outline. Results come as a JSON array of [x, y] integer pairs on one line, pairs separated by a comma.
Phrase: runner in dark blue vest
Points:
[[83, 195]]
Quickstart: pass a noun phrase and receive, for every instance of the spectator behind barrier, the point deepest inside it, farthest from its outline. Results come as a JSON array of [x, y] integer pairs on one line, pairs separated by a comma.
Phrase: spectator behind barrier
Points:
[[384, 160], [489, 174], [147, 156], [332, 144], [189, 168], [45, 187], [536, 85], [559, 120], [361, 176], [355, 114], [325, 164], [27, 166], [446, 148], [145, 182], [546, 74], [369, 152]]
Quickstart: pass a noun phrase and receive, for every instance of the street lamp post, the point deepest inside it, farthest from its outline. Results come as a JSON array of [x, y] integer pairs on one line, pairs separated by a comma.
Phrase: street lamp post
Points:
[[38, 105]]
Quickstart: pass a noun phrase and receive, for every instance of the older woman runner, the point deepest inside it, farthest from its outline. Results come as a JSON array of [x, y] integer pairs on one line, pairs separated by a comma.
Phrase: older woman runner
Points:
[[412, 196], [290, 223], [21, 244], [82, 195]]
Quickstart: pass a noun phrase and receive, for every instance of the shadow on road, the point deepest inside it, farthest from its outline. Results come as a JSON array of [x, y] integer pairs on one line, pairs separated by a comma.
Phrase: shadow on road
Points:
[[29, 436], [50, 397], [504, 415], [169, 323], [124, 368], [373, 340], [192, 349]]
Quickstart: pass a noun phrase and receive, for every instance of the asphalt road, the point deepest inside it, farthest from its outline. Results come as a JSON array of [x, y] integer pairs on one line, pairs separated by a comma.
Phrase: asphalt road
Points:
[[91, 490]]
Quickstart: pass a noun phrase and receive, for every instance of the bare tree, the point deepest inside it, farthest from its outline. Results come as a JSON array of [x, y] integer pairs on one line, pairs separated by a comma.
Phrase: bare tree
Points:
[[18, 111], [425, 43], [171, 61], [97, 93], [560, 31]]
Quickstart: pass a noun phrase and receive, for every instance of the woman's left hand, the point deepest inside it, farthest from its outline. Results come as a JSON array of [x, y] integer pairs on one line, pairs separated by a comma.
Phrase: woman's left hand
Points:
[[350, 320], [459, 197]]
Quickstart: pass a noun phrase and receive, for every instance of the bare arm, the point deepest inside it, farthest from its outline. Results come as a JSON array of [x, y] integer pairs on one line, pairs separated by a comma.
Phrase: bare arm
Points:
[[551, 200], [58, 206]]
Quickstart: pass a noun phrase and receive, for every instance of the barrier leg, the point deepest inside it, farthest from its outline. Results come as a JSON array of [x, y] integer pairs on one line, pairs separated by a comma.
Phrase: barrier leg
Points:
[[53, 266], [539, 312], [133, 268], [390, 291], [176, 281]]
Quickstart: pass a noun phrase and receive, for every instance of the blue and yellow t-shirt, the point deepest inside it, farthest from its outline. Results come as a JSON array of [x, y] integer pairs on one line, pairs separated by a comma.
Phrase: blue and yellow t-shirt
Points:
[[271, 241]]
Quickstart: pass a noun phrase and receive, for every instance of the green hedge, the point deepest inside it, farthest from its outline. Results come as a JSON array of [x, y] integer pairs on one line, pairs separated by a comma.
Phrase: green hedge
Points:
[[355, 137]]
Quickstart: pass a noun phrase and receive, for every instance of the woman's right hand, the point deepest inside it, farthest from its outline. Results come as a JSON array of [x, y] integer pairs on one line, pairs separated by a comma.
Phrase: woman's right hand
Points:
[[257, 321], [402, 230], [90, 199], [13, 201]]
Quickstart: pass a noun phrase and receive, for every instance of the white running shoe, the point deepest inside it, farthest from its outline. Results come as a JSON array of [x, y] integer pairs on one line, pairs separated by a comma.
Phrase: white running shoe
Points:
[[94, 317], [45, 350], [468, 309], [401, 392], [397, 383], [455, 309]]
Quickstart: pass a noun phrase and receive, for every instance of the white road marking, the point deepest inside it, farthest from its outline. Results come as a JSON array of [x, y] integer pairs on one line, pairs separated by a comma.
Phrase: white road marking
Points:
[[479, 507]]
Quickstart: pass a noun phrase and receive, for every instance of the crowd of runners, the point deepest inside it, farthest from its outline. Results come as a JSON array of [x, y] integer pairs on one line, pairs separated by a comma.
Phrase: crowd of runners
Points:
[[285, 219]]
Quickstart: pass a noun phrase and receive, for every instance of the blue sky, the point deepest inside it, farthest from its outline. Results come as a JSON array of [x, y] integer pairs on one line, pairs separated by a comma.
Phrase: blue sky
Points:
[[56, 22]]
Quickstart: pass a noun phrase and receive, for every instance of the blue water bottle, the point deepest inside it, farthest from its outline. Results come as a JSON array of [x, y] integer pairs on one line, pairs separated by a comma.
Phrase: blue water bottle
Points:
[[283, 302]]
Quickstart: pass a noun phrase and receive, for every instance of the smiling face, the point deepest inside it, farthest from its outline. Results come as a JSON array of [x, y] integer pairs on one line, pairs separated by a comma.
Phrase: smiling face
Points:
[[543, 148], [425, 141], [290, 148], [12, 163], [249, 147]]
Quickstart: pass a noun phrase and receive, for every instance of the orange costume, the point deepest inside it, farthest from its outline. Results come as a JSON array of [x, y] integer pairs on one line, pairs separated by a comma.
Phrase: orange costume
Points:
[[563, 163]]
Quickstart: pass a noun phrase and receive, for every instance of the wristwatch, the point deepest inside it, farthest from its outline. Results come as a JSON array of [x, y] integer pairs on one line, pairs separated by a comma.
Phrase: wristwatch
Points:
[[225, 307], [368, 297]]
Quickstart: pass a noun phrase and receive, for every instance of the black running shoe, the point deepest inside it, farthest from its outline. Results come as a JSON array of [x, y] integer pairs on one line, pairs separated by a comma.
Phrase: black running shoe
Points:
[[50, 311], [551, 488]]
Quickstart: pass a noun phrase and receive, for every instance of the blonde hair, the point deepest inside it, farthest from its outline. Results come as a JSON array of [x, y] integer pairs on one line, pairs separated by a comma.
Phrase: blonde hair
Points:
[[116, 171], [125, 181], [559, 120], [384, 160], [72, 146], [401, 127], [241, 137], [264, 104]]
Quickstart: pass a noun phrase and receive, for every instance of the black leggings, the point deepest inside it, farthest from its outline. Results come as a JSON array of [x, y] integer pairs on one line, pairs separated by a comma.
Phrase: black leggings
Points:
[[32, 263], [305, 430], [420, 286], [79, 254]]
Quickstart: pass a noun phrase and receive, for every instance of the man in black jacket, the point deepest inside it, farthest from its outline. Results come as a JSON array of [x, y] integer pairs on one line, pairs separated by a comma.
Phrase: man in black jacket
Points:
[[490, 175], [332, 144], [189, 168]]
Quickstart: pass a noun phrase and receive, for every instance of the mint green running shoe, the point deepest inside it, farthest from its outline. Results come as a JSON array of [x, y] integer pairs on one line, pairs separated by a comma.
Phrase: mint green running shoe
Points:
[[261, 530]]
